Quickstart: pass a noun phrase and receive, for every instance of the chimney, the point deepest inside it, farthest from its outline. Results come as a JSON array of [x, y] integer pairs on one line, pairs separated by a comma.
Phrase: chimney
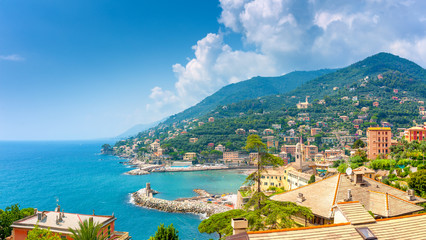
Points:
[[60, 217], [35, 210], [57, 220], [148, 186], [58, 209], [39, 216], [358, 178], [239, 225], [410, 195], [300, 198], [349, 196]]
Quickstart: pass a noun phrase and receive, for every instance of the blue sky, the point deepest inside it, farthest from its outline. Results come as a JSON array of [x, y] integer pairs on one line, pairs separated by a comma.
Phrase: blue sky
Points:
[[92, 69]]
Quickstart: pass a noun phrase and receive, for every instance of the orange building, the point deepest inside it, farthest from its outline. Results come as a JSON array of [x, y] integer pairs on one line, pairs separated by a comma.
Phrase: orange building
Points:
[[416, 133], [378, 141], [60, 223]]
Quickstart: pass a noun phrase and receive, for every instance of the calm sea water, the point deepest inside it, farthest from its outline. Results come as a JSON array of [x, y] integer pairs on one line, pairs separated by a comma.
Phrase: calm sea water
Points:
[[36, 174]]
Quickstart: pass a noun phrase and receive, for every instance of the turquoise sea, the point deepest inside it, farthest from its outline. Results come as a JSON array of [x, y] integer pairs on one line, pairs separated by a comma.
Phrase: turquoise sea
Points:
[[37, 174]]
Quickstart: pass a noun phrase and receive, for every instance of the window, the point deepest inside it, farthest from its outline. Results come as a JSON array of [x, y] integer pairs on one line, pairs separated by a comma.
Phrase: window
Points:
[[109, 231], [266, 184], [366, 233]]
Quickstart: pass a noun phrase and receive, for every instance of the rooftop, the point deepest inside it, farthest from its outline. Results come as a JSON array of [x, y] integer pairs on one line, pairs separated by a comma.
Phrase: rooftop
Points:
[[69, 220], [379, 129], [406, 227], [355, 213], [381, 199]]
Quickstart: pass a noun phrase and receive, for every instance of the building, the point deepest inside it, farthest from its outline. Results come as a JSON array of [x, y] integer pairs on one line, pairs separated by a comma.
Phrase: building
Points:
[[272, 142], [344, 118], [291, 123], [272, 178], [415, 133], [154, 146], [254, 158], [354, 224], [358, 121], [303, 105], [276, 126], [233, 157], [333, 152], [378, 141], [329, 140], [268, 131], [315, 131], [309, 150], [60, 223], [297, 179], [365, 171], [375, 104], [189, 156], [211, 119], [382, 200], [240, 131], [193, 140], [220, 147]]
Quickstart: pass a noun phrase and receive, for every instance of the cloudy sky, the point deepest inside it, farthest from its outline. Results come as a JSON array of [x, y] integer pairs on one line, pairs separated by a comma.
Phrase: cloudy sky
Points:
[[92, 69]]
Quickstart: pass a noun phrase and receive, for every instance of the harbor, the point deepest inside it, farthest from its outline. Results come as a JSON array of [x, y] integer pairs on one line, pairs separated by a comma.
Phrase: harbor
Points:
[[205, 204]]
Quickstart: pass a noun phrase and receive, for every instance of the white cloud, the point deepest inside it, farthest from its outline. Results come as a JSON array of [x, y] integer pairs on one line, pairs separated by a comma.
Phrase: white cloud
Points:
[[286, 35], [12, 57], [215, 65]]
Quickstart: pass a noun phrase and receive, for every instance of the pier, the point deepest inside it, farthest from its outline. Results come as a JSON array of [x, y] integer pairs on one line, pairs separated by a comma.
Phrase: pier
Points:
[[194, 205]]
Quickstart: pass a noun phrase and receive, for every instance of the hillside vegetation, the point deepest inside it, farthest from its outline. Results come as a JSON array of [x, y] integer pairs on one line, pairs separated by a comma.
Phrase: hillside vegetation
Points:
[[340, 100]]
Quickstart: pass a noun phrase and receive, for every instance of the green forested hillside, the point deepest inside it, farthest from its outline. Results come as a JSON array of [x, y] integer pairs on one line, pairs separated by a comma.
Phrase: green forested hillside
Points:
[[249, 89], [396, 84]]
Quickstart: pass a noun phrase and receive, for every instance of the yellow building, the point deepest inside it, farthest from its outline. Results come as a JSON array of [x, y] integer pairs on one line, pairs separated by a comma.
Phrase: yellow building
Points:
[[272, 178], [189, 156]]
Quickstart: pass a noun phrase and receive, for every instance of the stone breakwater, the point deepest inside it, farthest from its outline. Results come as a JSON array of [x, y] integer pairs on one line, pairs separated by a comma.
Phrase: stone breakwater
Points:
[[195, 207]]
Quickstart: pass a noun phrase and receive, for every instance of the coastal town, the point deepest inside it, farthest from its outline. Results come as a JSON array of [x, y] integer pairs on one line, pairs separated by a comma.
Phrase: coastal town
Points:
[[213, 120], [347, 179], [364, 171]]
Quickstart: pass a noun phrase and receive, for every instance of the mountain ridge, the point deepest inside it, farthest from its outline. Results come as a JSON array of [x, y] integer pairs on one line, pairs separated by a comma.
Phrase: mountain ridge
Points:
[[248, 89]]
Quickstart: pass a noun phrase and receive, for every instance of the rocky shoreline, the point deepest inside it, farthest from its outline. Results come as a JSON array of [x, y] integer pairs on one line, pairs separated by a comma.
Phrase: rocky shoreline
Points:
[[187, 206]]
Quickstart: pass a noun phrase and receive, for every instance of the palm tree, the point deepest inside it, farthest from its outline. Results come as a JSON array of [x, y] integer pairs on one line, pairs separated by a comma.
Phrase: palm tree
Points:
[[88, 230]]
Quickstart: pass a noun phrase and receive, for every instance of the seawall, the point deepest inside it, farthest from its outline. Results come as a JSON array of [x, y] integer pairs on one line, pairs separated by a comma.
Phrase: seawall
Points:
[[189, 206]]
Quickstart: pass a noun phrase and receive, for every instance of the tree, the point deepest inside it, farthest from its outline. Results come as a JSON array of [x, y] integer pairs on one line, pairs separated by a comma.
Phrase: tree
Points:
[[358, 144], [312, 179], [272, 215], [220, 223], [417, 182], [106, 149], [166, 233], [9, 215], [88, 230], [254, 142], [42, 234]]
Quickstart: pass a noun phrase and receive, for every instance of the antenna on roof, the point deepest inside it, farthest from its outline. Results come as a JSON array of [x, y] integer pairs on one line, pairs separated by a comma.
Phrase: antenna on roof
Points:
[[349, 171]]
